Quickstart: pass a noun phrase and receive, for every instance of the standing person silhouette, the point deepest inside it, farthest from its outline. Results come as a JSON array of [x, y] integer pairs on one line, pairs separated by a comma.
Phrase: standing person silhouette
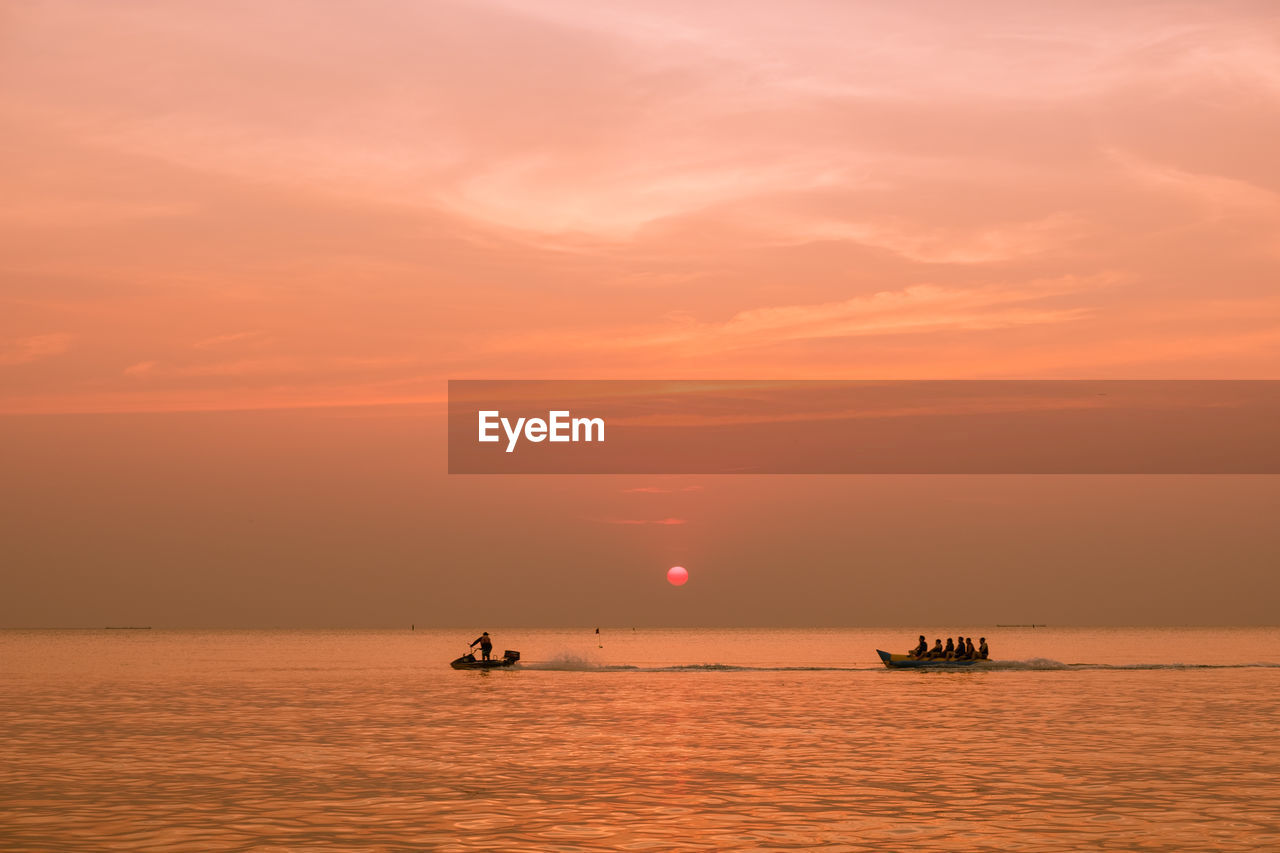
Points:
[[486, 645]]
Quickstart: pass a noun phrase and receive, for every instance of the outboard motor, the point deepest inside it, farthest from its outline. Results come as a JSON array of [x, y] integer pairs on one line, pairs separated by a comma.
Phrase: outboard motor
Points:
[[510, 655]]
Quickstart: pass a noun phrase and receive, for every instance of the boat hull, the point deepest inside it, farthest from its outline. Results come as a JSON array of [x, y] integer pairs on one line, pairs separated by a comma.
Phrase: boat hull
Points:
[[509, 658], [893, 661]]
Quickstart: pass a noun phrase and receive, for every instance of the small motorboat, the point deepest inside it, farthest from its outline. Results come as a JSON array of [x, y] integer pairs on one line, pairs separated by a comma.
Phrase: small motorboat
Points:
[[470, 661], [908, 662]]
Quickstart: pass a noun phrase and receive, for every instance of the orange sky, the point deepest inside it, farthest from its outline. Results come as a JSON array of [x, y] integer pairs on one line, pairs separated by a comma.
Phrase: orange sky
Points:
[[224, 206]]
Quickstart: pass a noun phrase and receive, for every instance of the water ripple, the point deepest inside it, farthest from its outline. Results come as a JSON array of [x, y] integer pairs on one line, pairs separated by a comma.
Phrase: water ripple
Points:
[[727, 759]]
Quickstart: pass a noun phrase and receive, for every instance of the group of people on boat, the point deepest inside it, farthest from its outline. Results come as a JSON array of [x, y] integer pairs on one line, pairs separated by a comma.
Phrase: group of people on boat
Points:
[[959, 648]]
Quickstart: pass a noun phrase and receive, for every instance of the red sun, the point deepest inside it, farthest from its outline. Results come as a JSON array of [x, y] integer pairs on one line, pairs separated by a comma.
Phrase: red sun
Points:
[[677, 575]]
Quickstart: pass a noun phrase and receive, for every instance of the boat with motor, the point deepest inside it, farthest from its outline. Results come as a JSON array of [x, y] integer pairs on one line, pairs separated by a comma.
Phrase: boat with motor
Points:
[[908, 662], [470, 661]]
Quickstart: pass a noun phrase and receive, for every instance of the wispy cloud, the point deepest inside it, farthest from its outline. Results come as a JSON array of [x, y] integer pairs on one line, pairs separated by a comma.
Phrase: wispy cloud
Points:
[[643, 521], [267, 366], [1217, 193], [658, 490], [142, 368], [917, 308], [914, 310], [222, 340], [33, 348], [955, 244]]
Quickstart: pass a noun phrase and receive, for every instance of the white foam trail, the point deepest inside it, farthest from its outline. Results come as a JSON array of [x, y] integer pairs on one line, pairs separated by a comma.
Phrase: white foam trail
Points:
[[1048, 664], [568, 662], [564, 662], [1029, 663], [572, 662]]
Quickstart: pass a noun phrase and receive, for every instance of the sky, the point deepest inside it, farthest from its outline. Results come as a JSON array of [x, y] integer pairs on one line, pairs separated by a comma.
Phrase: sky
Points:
[[245, 246]]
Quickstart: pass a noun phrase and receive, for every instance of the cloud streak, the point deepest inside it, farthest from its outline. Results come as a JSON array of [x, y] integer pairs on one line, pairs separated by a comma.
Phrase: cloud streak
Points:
[[661, 522], [914, 310], [33, 348], [659, 490]]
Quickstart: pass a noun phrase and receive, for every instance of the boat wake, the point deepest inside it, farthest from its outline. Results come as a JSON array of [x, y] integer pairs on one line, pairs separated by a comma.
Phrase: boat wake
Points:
[[569, 662], [1127, 666], [1041, 664], [586, 666]]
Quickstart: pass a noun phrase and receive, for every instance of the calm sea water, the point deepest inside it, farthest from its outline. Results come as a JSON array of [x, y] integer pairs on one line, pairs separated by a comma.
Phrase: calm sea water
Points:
[[1083, 739]]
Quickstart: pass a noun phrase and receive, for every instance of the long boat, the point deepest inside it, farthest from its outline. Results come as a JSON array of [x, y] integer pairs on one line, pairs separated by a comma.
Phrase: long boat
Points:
[[908, 662]]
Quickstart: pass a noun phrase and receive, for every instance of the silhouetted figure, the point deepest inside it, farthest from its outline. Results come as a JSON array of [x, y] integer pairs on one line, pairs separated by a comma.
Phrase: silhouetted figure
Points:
[[982, 648], [486, 645], [968, 648], [936, 651], [921, 648], [950, 651]]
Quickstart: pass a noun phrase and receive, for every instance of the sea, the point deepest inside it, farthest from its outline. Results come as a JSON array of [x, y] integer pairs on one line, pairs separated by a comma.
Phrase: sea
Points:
[[639, 739]]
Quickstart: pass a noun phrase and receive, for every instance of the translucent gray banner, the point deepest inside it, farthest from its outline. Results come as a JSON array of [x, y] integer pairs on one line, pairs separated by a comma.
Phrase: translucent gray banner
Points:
[[864, 427]]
